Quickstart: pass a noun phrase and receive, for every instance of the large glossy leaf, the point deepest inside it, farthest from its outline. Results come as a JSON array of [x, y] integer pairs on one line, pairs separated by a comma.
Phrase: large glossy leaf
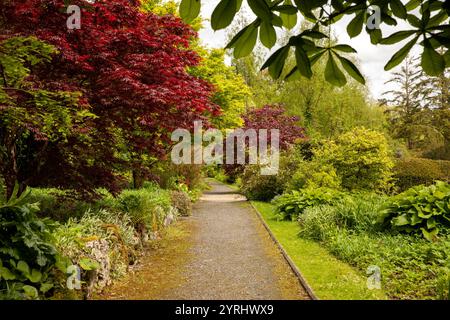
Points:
[[289, 18], [246, 42], [432, 62], [398, 8], [23, 267], [224, 13], [277, 66], [267, 35], [189, 10], [398, 36], [333, 74], [355, 26], [30, 292], [400, 55], [261, 9], [6, 274], [344, 48], [352, 70], [303, 63], [412, 4]]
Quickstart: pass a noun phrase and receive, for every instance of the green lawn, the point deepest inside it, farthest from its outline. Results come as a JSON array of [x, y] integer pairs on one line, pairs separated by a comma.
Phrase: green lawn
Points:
[[329, 277]]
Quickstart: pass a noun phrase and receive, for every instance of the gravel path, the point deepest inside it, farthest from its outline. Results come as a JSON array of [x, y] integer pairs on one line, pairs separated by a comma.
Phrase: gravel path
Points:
[[232, 256]]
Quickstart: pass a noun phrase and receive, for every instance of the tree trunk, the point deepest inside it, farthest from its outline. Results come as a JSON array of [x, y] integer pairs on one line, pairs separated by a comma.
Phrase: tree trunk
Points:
[[138, 179]]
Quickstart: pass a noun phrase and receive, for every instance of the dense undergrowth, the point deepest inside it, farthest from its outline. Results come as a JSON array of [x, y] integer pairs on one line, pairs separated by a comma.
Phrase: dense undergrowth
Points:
[[86, 245], [350, 196]]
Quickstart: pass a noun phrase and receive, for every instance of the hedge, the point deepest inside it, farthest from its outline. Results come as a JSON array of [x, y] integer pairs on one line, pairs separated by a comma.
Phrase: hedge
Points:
[[415, 171]]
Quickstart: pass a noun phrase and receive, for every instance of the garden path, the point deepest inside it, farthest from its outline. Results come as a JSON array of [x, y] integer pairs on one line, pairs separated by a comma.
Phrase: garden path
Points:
[[230, 256]]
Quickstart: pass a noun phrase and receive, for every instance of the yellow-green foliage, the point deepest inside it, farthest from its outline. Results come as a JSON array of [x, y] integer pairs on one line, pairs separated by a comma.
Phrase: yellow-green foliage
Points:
[[415, 171], [231, 91], [361, 158], [314, 174]]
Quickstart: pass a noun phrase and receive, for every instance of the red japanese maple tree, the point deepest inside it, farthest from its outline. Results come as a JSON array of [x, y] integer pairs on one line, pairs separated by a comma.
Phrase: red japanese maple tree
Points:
[[130, 67], [270, 117]]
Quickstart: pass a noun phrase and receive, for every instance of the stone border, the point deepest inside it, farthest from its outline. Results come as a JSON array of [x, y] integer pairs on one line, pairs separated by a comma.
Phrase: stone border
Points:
[[291, 263]]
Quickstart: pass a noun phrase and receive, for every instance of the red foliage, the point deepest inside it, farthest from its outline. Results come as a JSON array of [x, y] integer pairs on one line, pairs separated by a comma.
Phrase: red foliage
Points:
[[130, 67], [269, 117], [274, 117]]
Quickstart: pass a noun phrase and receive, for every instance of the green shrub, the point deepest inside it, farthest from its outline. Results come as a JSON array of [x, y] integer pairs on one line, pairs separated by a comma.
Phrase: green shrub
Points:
[[357, 213], [170, 175], [182, 202], [146, 208], [290, 205], [411, 267], [259, 187], [421, 208], [416, 171], [361, 158], [314, 174], [289, 163], [27, 252], [101, 240]]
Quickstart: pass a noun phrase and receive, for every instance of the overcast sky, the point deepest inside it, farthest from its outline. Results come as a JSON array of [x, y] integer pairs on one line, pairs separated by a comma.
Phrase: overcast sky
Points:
[[372, 58]]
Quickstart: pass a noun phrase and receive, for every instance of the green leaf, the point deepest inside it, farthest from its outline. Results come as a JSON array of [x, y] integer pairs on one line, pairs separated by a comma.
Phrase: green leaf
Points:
[[261, 9], [35, 276], [375, 35], [400, 55], [305, 9], [189, 10], [352, 70], [30, 292], [432, 62], [398, 9], [431, 223], [267, 35], [224, 14], [6, 274], [316, 57], [397, 37], [88, 264], [414, 21], [400, 221], [344, 48], [333, 74], [355, 26], [411, 5], [429, 235], [246, 42], [233, 41], [289, 17], [23, 267], [45, 287], [294, 74], [277, 66], [303, 63]]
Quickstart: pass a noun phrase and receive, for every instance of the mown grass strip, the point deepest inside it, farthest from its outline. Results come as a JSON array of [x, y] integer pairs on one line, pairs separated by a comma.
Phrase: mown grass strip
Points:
[[329, 277]]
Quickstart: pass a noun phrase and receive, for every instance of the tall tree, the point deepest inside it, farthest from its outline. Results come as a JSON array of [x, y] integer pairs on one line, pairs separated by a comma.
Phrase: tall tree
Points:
[[405, 101], [131, 67], [414, 107]]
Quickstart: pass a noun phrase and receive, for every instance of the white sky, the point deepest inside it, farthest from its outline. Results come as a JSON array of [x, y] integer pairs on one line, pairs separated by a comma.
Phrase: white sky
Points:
[[372, 58]]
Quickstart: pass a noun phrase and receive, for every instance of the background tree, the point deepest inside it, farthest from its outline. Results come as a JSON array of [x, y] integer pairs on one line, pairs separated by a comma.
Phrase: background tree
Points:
[[231, 92], [33, 119], [415, 108]]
